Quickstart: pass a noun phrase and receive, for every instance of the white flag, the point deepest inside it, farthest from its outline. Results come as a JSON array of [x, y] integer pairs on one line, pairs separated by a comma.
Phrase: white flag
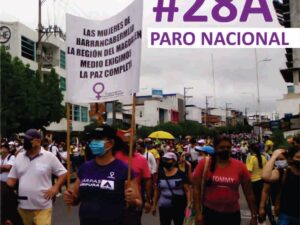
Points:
[[103, 57]]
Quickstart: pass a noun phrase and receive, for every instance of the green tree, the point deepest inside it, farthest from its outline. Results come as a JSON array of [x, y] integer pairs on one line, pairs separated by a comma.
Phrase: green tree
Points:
[[144, 132], [189, 128], [26, 102], [170, 127]]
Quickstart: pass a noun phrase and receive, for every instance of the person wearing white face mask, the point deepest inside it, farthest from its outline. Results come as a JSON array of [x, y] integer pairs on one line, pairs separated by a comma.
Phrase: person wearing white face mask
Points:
[[269, 196], [288, 195], [101, 187]]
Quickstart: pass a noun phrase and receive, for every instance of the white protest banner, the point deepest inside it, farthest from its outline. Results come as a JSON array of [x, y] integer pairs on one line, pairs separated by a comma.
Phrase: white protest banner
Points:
[[103, 57]]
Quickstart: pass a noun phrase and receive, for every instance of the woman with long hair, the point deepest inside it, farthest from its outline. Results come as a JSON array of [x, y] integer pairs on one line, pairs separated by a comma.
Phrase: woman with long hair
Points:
[[289, 195], [255, 163], [216, 190]]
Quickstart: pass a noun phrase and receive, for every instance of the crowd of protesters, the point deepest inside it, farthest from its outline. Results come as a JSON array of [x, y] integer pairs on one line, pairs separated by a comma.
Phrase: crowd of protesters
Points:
[[167, 176]]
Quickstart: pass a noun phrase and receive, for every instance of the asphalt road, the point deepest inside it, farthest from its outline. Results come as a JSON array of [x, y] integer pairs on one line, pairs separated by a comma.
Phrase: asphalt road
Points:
[[64, 216]]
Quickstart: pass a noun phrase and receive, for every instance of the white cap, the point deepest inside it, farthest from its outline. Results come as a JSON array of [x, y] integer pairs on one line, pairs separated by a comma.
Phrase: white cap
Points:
[[201, 141], [170, 155]]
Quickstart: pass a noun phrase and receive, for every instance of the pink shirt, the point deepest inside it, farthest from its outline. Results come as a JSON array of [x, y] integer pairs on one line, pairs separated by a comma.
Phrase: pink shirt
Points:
[[139, 165], [222, 186]]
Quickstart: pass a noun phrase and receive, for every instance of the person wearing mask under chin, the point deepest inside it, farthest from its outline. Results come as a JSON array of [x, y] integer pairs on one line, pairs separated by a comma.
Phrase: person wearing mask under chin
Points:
[[288, 194], [101, 187], [216, 198], [172, 194]]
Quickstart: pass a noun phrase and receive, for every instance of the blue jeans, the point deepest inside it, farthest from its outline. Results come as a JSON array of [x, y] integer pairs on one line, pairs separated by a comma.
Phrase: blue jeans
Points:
[[284, 219]]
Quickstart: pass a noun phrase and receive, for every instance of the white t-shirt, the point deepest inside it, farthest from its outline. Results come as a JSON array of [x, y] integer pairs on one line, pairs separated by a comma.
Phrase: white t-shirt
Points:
[[53, 149], [194, 154], [34, 177], [9, 160], [63, 155], [151, 161]]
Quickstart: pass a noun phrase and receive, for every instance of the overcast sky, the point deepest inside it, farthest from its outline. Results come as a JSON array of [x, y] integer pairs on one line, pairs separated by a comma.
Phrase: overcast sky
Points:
[[174, 69]]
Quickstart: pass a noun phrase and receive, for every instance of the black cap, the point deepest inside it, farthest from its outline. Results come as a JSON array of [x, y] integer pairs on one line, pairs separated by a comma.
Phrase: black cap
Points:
[[101, 132], [32, 134]]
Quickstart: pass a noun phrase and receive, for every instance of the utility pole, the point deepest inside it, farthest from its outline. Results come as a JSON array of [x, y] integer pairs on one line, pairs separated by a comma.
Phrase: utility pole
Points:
[[213, 76], [246, 111], [39, 43], [258, 93], [226, 109], [246, 115], [206, 109], [41, 33], [185, 90]]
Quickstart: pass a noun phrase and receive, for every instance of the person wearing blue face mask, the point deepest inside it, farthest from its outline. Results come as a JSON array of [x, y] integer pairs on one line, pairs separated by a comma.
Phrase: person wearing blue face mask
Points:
[[101, 187]]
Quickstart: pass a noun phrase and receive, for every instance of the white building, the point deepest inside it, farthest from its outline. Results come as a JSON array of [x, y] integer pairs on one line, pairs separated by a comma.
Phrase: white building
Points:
[[193, 113], [151, 111], [290, 104], [20, 41]]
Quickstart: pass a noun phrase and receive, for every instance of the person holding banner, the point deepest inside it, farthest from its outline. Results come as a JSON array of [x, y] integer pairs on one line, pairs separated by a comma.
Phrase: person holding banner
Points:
[[101, 187]]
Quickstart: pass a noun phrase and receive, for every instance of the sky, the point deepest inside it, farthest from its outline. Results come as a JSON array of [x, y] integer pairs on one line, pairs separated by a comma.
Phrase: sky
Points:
[[174, 69]]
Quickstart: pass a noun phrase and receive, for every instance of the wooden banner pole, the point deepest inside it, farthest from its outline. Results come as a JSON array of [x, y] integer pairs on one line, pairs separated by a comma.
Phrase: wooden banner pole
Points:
[[132, 133], [68, 150], [68, 146]]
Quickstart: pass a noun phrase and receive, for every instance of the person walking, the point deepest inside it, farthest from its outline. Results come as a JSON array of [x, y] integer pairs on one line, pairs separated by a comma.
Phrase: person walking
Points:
[[271, 191], [185, 166], [101, 187], [33, 170], [7, 161], [143, 177], [172, 193], [141, 148], [216, 198], [255, 164], [289, 195]]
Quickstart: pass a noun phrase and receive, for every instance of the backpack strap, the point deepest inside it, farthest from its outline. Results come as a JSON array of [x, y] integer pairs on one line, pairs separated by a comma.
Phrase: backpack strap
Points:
[[169, 186], [9, 156]]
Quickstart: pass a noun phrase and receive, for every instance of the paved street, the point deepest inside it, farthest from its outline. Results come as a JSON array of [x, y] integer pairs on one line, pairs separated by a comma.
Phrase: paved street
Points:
[[61, 216]]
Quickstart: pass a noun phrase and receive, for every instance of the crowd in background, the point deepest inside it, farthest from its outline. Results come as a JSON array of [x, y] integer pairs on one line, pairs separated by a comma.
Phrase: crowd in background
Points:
[[172, 176]]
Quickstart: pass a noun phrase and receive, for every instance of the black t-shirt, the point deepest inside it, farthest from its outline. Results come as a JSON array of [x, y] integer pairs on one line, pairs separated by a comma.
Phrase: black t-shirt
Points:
[[290, 197]]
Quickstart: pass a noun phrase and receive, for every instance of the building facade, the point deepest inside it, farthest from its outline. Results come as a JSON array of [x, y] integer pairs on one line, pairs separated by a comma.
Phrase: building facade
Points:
[[21, 41], [289, 16], [193, 113], [151, 111]]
